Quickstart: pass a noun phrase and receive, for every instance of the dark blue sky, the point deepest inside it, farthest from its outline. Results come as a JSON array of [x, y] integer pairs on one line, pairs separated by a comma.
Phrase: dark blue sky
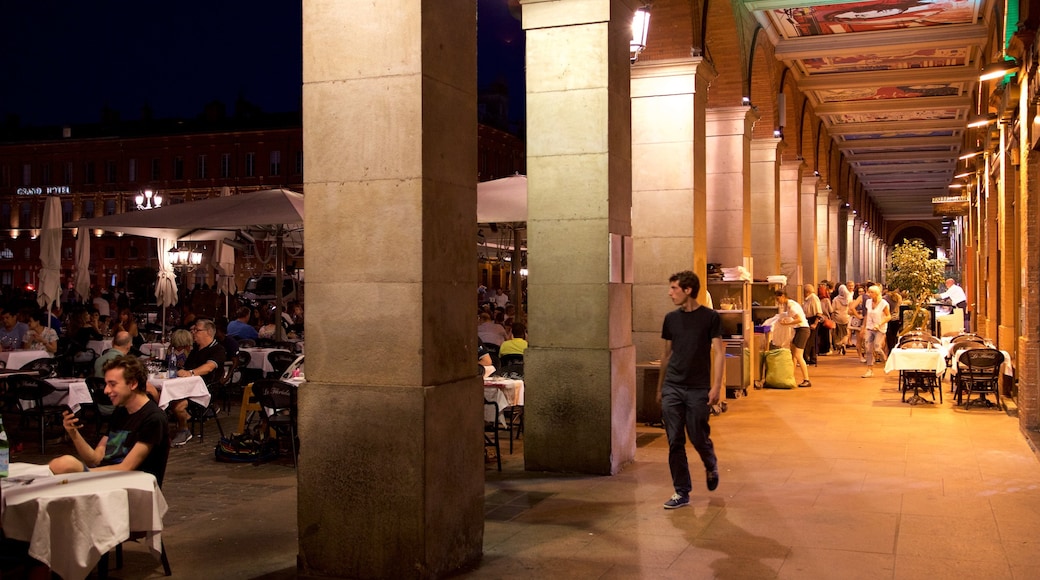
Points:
[[63, 61]]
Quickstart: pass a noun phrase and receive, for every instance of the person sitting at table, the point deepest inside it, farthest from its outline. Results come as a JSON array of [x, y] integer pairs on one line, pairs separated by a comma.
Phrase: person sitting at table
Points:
[[121, 344], [489, 331], [205, 360], [229, 342], [137, 431], [82, 328], [518, 343], [12, 332], [240, 327], [40, 337], [125, 321]]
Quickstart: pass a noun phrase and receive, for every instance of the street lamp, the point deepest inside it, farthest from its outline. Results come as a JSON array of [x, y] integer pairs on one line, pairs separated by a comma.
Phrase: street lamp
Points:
[[640, 30], [185, 258], [148, 200]]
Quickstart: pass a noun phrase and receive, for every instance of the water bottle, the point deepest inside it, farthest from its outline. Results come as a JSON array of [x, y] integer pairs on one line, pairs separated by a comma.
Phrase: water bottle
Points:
[[171, 365], [5, 450]]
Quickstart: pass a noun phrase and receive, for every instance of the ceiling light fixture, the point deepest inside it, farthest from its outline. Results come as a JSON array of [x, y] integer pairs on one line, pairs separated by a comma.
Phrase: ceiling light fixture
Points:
[[970, 155], [963, 175]]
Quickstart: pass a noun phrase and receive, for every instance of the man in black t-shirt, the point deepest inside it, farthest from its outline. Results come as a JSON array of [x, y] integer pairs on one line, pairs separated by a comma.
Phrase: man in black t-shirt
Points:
[[137, 436], [690, 384], [205, 360]]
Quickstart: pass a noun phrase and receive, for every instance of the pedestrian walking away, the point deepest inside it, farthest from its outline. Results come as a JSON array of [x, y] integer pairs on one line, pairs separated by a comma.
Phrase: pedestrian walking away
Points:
[[691, 384]]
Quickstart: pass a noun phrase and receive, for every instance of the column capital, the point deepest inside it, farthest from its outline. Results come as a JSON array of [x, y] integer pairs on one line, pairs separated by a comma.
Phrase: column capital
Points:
[[686, 75], [552, 13], [720, 116]]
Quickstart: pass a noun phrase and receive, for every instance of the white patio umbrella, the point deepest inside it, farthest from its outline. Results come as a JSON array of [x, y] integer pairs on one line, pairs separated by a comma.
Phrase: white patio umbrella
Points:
[[50, 255], [225, 267], [83, 264], [166, 279]]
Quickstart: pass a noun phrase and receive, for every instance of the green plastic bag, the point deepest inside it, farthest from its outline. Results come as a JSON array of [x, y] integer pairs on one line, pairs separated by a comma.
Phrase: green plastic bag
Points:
[[779, 369]]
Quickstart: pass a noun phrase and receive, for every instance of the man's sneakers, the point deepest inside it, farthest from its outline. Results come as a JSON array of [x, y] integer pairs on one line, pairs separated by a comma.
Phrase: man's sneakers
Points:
[[868, 374], [713, 479], [181, 438], [677, 501]]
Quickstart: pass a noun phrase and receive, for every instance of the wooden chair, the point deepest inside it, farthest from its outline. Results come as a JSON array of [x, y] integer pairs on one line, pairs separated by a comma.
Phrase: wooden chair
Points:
[[491, 432]]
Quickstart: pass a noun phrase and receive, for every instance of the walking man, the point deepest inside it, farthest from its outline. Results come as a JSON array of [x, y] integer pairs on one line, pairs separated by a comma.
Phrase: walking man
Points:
[[690, 384]]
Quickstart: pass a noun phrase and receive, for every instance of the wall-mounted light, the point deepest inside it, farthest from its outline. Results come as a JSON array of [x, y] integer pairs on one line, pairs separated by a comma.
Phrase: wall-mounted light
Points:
[[640, 31], [996, 70], [970, 155], [778, 133], [963, 175], [981, 121], [956, 186], [746, 101]]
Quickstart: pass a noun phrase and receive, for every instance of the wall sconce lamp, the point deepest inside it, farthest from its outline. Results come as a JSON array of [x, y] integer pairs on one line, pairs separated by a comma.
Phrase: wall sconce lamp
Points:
[[981, 121], [996, 70], [640, 30], [745, 101], [778, 133]]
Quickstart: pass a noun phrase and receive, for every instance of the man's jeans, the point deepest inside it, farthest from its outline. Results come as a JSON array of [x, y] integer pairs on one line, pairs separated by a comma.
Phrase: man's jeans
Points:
[[685, 411]]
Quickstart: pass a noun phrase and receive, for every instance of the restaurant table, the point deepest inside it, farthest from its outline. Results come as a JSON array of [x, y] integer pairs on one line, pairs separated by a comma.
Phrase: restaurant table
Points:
[[16, 359], [258, 358], [70, 521], [170, 390], [915, 360], [505, 392]]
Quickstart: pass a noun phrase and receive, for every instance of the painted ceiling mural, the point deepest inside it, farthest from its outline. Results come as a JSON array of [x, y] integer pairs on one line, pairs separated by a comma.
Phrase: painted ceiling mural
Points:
[[894, 81]]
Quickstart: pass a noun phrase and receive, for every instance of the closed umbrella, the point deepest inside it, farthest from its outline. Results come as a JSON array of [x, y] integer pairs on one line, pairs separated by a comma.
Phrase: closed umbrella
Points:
[[50, 255], [165, 280], [83, 264], [225, 272]]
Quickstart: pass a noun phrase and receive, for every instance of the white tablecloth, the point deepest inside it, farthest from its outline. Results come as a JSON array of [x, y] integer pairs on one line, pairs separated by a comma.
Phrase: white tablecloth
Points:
[[505, 392], [171, 390], [100, 346], [16, 359], [71, 520], [258, 358], [916, 359]]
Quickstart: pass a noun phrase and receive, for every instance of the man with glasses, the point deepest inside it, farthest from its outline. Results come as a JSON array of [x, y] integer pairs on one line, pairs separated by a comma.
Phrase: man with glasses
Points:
[[205, 360]]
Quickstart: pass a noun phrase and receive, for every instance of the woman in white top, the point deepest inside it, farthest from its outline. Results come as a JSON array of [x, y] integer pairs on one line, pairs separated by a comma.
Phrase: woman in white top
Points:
[[875, 323], [791, 314]]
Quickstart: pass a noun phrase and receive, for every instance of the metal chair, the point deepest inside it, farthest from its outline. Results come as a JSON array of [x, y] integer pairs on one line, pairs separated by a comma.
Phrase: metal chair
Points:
[[491, 432], [978, 371], [277, 400], [29, 393], [512, 363], [46, 367], [279, 360]]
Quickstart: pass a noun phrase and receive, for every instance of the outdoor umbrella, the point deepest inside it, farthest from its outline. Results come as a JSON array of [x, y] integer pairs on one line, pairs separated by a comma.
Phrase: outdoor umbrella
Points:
[[225, 271], [165, 281], [50, 255], [83, 264]]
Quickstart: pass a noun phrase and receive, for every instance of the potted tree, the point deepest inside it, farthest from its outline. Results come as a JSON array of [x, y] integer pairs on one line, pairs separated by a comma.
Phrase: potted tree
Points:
[[913, 271]]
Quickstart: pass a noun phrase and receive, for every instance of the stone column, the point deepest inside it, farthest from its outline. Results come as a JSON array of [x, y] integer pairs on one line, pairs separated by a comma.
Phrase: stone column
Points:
[[823, 238], [580, 366], [1028, 355], [858, 250], [728, 167], [389, 420], [668, 187], [835, 231], [765, 206], [988, 299], [790, 223], [809, 234]]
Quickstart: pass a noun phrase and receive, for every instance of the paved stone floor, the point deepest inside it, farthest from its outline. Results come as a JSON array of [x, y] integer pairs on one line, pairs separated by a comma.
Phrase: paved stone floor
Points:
[[840, 480]]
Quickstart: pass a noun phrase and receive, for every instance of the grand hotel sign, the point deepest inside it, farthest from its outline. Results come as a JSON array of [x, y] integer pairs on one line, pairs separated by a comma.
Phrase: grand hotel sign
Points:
[[49, 190]]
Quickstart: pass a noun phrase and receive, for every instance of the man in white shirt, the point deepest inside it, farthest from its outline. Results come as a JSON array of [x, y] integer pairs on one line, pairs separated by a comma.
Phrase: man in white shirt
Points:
[[101, 303], [955, 294]]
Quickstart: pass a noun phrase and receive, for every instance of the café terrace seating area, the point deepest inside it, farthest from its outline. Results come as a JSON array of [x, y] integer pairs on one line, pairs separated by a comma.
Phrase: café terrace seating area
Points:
[[844, 476]]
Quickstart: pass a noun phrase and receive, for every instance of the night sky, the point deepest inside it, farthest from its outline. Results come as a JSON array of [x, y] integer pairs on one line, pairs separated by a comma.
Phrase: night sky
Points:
[[64, 61]]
